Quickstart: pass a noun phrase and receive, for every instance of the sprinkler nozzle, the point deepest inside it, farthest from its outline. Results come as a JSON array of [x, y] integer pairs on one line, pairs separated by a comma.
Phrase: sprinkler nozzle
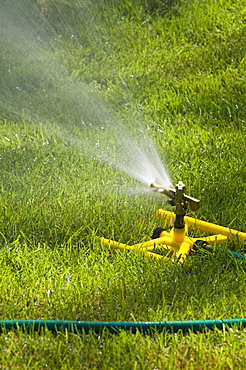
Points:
[[169, 192], [178, 197]]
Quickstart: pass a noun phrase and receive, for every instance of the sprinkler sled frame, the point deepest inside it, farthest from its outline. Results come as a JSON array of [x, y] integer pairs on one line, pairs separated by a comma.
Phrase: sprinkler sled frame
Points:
[[176, 243]]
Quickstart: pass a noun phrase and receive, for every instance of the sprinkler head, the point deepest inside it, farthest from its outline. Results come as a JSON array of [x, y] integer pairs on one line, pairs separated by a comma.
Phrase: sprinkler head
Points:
[[178, 197]]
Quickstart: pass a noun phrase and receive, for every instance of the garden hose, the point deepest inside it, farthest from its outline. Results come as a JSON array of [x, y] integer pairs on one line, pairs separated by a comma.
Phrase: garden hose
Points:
[[115, 326]]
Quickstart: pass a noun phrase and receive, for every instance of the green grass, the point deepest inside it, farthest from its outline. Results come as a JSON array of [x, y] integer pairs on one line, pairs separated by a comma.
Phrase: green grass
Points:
[[178, 68]]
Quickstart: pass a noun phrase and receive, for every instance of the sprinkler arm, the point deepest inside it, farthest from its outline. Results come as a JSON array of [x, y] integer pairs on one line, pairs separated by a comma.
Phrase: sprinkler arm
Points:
[[178, 197], [169, 192]]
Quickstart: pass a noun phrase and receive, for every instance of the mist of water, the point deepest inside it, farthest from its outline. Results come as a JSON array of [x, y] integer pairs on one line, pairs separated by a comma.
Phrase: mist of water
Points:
[[36, 86]]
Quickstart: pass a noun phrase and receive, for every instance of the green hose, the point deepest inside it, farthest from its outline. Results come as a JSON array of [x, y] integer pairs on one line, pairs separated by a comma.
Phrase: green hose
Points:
[[116, 326]]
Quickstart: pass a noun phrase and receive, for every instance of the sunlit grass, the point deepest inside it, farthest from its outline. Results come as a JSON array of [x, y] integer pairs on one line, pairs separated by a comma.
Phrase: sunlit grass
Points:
[[180, 68]]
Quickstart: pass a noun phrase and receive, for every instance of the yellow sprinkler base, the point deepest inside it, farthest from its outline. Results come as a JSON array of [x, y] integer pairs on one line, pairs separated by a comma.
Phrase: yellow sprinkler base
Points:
[[177, 243], [202, 226]]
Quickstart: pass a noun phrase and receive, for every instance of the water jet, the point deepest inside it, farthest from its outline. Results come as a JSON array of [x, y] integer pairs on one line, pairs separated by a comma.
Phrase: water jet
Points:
[[38, 87]]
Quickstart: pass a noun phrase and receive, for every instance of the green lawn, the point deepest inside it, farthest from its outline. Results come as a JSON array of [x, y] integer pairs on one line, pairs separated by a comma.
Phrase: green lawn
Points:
[[85, 84]]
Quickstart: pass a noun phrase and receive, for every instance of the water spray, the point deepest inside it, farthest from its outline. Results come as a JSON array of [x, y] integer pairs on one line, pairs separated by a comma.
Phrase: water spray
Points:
[[176, 244]]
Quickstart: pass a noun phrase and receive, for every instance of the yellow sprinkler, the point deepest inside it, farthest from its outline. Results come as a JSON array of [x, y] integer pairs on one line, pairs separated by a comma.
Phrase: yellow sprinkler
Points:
[[176, 242]]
